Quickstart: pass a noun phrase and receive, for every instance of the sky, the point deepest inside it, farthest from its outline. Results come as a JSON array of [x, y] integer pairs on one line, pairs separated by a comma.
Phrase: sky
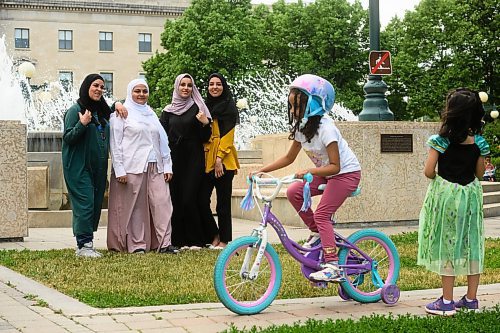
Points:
[[387, 8]]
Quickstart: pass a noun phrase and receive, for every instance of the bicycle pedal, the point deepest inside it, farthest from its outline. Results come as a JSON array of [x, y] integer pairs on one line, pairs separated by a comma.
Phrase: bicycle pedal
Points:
[[319, 284]]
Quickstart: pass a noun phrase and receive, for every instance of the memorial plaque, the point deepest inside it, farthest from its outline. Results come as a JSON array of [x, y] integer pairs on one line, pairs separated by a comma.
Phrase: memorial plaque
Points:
[[396, 143]]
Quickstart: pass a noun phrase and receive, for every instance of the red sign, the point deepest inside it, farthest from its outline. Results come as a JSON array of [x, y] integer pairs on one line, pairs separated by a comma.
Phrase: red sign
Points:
[[380, 63]]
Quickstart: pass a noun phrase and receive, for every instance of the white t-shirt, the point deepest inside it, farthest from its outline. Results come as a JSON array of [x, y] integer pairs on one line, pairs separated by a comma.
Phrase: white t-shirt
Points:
[[316, 149]]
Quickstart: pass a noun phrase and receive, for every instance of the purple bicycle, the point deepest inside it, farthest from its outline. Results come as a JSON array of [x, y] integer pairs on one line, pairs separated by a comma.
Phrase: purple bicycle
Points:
[[248, 272]]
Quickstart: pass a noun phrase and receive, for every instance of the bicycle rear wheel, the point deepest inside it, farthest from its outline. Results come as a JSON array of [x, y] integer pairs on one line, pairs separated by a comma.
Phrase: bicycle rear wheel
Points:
[[366, 285], [238, 291]]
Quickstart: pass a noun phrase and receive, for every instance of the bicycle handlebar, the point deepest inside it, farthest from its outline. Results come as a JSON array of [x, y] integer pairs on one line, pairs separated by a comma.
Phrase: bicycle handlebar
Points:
[[277, 182]]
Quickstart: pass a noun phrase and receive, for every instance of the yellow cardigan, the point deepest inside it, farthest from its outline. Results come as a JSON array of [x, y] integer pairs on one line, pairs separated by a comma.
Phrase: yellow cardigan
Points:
[[221, 147]]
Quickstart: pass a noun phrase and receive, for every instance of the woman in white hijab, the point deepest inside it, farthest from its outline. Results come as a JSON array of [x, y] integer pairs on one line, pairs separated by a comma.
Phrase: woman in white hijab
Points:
[[140, 208]]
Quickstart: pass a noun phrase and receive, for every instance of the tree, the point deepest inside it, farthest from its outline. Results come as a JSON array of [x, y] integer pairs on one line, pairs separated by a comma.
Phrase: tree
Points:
[[443, 44], [212, 35], [328, 38]]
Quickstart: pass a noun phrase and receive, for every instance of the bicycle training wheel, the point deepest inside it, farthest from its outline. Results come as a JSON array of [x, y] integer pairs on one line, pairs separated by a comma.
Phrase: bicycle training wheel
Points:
[[365, 285], [236, 289]]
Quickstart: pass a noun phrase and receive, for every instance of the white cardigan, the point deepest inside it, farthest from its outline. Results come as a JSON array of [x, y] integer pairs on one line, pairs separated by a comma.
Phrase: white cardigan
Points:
[[133, 139]]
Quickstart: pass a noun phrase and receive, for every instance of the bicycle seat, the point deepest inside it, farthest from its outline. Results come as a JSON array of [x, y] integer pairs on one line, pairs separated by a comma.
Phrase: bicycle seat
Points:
[[354, 193]]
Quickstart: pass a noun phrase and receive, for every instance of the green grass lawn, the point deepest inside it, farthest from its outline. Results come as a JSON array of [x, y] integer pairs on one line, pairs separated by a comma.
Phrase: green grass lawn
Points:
[[120, 280], [484, 322]]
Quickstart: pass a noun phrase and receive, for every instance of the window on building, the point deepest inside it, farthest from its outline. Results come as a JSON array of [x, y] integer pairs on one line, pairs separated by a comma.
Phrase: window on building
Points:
[[65, 40], [108, 83], [22, 38], [145, 42], [105, 41], [66, 79]]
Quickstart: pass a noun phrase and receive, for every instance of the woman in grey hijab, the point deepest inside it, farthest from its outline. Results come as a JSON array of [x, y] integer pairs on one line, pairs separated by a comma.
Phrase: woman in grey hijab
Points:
[[187, 123]]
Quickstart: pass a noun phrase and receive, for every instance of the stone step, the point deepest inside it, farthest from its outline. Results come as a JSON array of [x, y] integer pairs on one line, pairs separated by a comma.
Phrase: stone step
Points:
[[492, 209], [491, 197], [57, 218], [250, 156], [490, 186]]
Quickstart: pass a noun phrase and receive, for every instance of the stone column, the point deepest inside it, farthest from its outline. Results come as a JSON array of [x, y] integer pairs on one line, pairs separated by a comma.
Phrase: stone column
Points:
[[13, 181]]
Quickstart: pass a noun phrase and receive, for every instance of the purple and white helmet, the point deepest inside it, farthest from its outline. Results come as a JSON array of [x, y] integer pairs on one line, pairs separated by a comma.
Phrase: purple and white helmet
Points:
[[320, 92]]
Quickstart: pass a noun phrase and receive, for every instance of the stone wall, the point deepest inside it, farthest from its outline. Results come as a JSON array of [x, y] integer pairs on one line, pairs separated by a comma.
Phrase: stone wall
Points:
[[393, 184], [13, 180]]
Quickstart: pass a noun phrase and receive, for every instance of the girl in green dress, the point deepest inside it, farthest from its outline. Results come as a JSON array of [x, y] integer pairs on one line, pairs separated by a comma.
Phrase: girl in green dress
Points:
[[451, 232]]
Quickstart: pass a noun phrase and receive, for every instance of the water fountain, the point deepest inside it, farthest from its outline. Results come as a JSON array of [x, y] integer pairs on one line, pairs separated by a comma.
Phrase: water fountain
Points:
[[13, 161], [263, 106]]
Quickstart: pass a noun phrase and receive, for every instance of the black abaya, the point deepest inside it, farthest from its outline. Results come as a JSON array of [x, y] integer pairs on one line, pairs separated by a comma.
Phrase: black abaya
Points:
[[186, 136]]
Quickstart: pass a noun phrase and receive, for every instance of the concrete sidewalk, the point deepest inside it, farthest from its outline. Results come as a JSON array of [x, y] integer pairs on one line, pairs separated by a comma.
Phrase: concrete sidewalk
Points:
[[19, 297]]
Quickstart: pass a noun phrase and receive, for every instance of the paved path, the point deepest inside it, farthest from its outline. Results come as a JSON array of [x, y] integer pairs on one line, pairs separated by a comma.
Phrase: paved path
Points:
[[19, 297]]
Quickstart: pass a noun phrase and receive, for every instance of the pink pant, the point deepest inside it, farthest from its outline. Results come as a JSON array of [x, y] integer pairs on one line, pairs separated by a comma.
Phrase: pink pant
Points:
[[338, 188]]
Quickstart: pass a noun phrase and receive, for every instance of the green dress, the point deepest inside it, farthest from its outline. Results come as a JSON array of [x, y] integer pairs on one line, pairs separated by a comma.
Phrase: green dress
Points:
[[85, 165], [451, 229]]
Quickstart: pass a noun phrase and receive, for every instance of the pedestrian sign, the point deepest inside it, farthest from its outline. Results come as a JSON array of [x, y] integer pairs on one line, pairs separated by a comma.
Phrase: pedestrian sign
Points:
[[380, 63]]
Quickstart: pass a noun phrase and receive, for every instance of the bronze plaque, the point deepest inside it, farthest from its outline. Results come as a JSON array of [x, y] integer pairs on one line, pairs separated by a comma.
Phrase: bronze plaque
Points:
[[396, 143]]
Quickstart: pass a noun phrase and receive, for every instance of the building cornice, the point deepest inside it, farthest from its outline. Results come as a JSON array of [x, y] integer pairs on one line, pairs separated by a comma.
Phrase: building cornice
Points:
[[93, 7]]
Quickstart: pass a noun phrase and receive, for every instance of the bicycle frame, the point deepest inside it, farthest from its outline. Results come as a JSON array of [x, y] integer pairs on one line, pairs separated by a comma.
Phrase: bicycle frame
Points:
[[245, 287], [296, 250]]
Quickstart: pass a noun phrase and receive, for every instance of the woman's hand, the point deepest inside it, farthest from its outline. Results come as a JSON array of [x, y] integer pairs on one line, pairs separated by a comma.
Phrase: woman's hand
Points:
[[219, 168], [121, 111], [202, 118], [168, 177], [85, 118], [122, 179]]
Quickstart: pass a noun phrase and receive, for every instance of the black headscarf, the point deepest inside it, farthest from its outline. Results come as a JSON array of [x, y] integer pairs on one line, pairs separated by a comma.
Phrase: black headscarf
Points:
[[223, 108], [86, 103]]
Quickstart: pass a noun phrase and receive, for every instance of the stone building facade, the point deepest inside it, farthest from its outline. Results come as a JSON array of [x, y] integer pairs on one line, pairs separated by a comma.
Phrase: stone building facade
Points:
[[66, 40]]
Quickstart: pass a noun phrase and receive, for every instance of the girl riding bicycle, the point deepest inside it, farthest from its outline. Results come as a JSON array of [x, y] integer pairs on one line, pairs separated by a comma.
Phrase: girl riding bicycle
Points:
[[335, 165]]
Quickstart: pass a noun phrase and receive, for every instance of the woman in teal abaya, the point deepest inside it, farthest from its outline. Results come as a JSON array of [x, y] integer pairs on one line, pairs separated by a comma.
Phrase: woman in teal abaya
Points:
[[85, 160]]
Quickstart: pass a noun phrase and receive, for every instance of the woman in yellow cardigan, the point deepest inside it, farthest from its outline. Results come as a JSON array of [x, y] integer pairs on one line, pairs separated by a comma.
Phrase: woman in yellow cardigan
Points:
[[221, 161]]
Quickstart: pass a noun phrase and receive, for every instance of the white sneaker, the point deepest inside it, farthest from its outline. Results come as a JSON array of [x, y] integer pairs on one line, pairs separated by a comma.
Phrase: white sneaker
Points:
[[88, 251], [331, 272], [312, 241]]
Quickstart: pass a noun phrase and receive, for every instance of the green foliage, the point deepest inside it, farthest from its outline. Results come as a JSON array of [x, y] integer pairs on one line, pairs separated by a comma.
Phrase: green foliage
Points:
[[443, 44], [212, 35], [492, 135], [120, 280], [485, 322], [328, 38]]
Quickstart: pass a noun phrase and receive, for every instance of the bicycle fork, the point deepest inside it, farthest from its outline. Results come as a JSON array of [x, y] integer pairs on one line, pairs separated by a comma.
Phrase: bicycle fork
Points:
[[252, 274]]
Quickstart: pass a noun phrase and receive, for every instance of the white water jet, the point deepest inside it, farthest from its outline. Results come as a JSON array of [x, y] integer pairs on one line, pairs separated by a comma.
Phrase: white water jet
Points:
[[11, 94], [266, 112], [43, 110], [40, 110]]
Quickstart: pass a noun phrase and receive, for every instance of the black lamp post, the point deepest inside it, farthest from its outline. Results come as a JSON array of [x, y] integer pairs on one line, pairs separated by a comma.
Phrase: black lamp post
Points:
[[375, 106]]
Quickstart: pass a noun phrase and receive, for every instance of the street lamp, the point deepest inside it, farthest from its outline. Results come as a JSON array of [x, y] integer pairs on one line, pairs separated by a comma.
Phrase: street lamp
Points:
[[26, 69], [375, 105], [484, 98]]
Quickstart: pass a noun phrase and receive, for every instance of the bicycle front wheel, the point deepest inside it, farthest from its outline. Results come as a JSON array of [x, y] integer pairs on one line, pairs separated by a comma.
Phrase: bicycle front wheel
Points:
[[365, 285], [236, 288]]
